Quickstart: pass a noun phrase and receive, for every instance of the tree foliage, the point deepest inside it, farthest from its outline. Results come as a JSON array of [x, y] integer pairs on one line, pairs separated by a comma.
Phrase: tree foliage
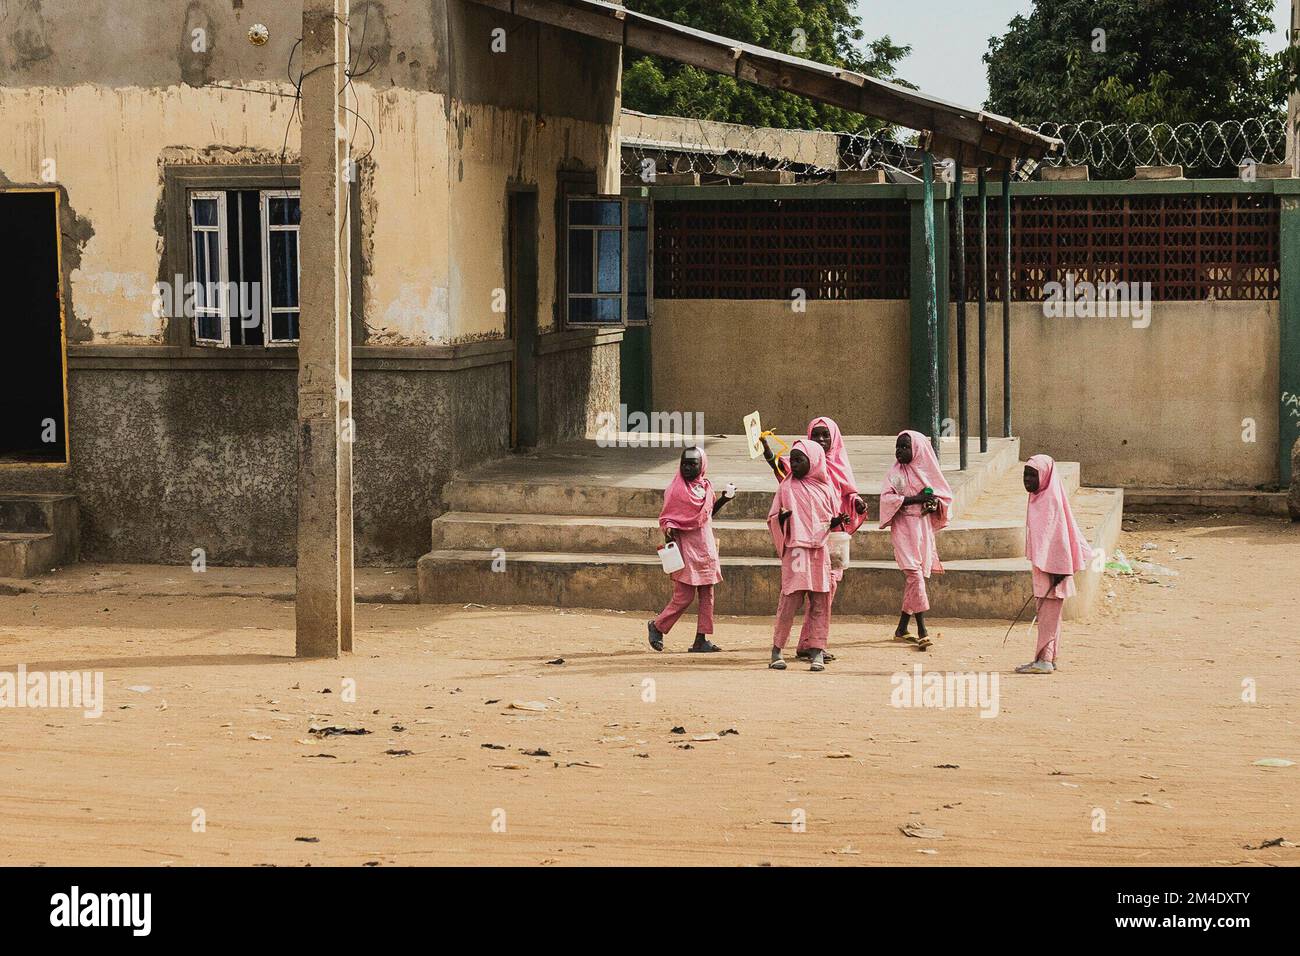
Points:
[[830, 34], [1140, 61]]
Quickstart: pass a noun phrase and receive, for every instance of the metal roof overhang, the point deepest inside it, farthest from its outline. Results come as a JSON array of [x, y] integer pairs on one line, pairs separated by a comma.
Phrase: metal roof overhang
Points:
[[970, 136]]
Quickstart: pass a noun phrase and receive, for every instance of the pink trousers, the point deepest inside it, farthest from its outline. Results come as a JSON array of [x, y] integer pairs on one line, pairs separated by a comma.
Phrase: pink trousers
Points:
[[915, 600], [1049, 627], [836, 577], [816, 619], [683, 594]]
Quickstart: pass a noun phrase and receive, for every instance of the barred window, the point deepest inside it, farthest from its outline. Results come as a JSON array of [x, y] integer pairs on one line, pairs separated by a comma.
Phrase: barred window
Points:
[[767, 249], [1190, 247]]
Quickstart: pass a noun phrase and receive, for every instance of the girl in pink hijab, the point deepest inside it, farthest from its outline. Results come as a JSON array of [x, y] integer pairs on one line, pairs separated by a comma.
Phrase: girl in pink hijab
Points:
[[803, 513], [839, 472], [687, 518], [1056, 550], [915, 502]]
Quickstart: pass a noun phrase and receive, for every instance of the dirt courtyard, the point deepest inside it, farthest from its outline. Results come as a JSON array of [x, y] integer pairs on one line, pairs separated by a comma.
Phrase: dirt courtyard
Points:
[[1141, 750]]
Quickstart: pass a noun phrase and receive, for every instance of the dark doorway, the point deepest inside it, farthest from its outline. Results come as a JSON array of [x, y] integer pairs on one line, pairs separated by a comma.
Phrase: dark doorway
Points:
[[32, 426], [521, 299]]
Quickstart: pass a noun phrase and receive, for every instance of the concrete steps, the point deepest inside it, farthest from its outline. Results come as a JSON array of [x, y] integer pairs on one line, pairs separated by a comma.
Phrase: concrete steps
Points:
[[577, 527], [635, 582], [603, 484], [38, 531], [631, 579], [583, 534]]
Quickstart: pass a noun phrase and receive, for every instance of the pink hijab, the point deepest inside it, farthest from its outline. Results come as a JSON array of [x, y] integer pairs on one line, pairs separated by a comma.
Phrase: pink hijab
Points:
[[840, 473], [810, 500], [688, 506], [911, 479], [1053, 542]]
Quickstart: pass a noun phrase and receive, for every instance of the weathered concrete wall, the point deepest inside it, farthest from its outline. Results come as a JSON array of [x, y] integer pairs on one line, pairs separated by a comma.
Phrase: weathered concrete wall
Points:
[[847, 360], [1163, 406], [574, 386], [98, 99], [167, 473]]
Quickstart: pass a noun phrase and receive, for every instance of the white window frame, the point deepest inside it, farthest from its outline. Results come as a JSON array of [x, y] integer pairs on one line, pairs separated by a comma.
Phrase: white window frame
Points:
[[621, 229], [624, 228], [222, 311], [267, 310]]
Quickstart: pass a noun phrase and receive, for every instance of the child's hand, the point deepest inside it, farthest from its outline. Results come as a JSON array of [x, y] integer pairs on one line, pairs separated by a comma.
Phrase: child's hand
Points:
[[669, 534], [730, 491], [838, 522]]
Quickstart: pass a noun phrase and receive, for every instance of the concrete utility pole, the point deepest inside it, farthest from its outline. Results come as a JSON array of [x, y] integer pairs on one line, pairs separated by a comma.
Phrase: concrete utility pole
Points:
[[324, 598], [1293, 99]]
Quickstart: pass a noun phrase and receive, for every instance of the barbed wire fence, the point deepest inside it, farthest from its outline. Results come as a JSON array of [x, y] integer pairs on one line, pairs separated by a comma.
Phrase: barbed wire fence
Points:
[[723, 152]]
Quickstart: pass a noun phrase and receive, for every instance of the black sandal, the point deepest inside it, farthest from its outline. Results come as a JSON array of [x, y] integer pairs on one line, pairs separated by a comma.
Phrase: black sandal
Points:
[[656, 638], [707, 647]]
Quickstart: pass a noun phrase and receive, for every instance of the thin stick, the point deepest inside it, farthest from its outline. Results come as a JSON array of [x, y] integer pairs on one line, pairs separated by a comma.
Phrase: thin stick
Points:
[[1017, 620]]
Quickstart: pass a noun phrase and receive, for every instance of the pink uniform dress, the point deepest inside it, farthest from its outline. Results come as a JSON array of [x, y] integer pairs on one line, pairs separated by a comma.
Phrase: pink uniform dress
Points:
[[1054, 545], [801, 545], [688, 510], [911, 530], [839, 472]]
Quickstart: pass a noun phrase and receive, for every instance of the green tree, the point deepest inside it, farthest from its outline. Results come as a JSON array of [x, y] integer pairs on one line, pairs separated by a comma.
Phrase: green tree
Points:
[[1139, 61], [830, 34]]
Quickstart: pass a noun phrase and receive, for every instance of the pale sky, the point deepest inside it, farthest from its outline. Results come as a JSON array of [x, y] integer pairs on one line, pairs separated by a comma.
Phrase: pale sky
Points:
[[949, 38]]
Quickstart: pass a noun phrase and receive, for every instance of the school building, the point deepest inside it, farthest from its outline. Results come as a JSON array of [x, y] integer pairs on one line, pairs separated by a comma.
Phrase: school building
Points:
[[511, 281]]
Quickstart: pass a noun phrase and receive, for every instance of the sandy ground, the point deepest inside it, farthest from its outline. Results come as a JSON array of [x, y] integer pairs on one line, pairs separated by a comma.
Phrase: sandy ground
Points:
[[1145, 723]]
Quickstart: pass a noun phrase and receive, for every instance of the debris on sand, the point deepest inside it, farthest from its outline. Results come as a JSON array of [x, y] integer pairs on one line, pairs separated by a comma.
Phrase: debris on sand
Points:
[[333, 731], [847, 850], [678, 730], [1267, 844], [947, 766], [535, 706], [585, 763], [493, 746], [1274, 762], [557, 661], [538, 752], [306, 839], [701, 738], [920, 831], [729, 730], [1146, 800], [325, 756], [399, 753], [839, 755], [259, 736]]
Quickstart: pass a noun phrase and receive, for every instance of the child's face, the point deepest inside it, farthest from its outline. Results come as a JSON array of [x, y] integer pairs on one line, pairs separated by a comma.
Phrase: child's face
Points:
[[799, 463], [1031, 479], [692, 464], [903, 449], [822, 436]]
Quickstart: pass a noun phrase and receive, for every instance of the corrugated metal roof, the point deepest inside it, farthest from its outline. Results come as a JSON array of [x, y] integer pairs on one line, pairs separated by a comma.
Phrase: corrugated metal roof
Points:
[[971, 136]]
